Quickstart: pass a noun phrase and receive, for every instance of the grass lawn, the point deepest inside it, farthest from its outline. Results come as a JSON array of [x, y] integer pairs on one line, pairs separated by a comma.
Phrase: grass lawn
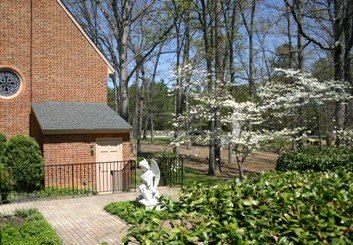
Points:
[[194, 176], [159, 140], [26, 227]]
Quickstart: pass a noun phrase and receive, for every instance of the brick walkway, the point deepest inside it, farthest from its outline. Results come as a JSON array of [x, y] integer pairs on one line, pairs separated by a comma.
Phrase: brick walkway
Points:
[[83, 220]]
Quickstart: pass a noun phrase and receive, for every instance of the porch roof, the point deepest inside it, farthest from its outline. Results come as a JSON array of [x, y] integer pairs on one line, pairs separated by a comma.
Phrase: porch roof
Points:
[[78, 118]]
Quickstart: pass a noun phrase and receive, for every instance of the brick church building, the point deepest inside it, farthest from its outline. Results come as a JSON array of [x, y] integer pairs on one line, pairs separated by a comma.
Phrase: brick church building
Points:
[[53, 86]]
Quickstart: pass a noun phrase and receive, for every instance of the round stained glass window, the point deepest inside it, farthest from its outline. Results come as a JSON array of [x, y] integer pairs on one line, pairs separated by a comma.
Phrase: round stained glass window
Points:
[[10, 83]]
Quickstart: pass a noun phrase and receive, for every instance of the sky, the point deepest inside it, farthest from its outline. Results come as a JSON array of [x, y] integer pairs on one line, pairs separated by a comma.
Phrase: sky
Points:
[[267, 22]]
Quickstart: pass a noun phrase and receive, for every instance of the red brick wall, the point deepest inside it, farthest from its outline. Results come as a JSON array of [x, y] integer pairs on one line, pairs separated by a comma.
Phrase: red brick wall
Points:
[[35, 130], [65, 65], [15, 53], [56, 62], [62, 149]]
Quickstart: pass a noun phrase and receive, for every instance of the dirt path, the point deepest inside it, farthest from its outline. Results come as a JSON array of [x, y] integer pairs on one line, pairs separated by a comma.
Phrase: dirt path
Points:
[[196, 157]]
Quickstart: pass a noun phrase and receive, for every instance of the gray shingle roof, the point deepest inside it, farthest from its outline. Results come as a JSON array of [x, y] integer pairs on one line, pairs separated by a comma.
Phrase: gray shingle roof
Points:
[[78, 117]]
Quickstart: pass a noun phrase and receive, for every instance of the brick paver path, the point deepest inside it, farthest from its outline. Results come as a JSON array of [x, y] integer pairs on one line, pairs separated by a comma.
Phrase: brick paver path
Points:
[[83, 220]]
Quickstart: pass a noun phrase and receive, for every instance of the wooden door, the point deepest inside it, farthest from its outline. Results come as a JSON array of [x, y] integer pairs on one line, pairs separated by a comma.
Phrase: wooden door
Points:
[[109, 157]]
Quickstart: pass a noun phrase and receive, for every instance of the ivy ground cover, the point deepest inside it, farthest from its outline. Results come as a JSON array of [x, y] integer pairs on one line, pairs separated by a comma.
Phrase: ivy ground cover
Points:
[[26, 227], [282, 208]]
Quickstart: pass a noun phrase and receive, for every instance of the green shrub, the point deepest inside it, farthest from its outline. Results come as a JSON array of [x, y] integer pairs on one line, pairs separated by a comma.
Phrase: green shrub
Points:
[[27, 227], [5, 182], [25, 163], [316, 159], [131, 212], [2, 147], [278, 208], [2, 141]]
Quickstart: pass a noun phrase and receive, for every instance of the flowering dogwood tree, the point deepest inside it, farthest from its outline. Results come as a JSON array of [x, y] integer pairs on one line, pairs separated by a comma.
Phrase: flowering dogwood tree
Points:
[[204, 108], [245, 119], [281, 100], [245, 124]]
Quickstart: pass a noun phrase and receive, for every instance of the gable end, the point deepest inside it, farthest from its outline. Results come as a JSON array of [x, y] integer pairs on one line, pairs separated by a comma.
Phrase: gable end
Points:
[[111, 70]]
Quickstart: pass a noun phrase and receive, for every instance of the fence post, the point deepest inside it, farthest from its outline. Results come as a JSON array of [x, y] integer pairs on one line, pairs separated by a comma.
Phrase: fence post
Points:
[[72, 179], [170, 172], [182, 171]]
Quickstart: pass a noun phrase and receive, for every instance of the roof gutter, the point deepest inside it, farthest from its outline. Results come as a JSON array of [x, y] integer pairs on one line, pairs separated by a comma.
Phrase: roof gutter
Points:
[[84, 131]]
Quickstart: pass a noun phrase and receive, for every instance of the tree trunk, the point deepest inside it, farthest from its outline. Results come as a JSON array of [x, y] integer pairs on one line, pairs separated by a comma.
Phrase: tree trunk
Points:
[[207, 46], [289, 36], [137, 105], [251, 52], [177, 90], [230, 149], [145, 127], [219, 76], [187, 80], [241, 171], [116, 93], [123, 62], [338, 60], [140, 109], [152, 131], [300, 51], [151, 90]]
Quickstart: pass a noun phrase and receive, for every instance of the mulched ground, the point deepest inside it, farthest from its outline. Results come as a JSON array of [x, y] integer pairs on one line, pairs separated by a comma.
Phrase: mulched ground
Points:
[[197, 158], [17, 221]]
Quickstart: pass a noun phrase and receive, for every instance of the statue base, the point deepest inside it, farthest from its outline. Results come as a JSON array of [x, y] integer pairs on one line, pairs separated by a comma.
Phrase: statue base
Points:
[[148, 204]]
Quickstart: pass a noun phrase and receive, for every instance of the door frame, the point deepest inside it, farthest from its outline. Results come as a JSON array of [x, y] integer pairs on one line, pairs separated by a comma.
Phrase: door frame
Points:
[[108, 177]]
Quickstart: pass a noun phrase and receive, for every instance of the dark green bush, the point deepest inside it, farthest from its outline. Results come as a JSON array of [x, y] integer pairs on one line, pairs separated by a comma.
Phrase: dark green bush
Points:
[[316, 159], [5, 182], [2, 147], [25, 163], [276, 208], [2, 141]]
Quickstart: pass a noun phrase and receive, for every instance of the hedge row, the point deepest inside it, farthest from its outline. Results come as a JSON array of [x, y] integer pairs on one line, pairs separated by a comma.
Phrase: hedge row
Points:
[[316, 159], [283, 208], [21, 165]]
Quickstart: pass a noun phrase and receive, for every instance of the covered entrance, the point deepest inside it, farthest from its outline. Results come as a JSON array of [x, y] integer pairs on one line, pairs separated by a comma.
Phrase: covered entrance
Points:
[[86, 146]]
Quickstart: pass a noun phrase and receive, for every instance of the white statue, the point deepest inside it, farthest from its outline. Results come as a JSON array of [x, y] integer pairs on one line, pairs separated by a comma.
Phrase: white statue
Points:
[[150, 180]]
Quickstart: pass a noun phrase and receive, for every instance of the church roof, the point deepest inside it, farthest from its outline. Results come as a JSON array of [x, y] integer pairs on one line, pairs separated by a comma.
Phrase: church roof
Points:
[[111, 69], [78, 118]]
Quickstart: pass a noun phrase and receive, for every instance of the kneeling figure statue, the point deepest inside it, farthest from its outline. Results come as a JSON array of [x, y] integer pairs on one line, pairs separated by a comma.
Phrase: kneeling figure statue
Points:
[[150, 180]]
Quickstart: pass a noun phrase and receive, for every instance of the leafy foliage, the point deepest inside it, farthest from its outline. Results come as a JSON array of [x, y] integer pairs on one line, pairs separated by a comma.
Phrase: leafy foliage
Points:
[[5, 182], [132, 213], [25, 163], [2, 147], [159, 105], [2, 141], [289, 207], [27, 227], [316, 159]]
